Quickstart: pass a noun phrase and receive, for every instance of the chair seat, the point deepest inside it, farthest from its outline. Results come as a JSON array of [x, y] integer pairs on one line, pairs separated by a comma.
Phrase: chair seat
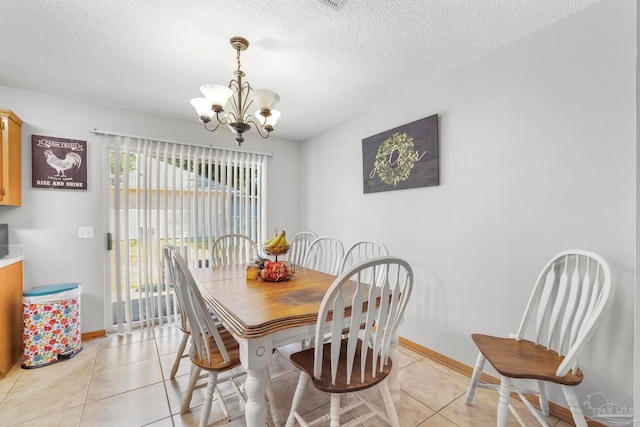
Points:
[[217, 363], [524, 359], [304, 360]]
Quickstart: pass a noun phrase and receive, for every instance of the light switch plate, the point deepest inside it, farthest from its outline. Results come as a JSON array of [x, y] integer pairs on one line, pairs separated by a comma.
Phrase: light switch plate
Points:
[[85, 232]]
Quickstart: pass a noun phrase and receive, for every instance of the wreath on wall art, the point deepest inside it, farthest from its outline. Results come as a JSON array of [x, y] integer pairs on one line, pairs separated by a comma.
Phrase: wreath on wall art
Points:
[[393, 171], [401, 158]]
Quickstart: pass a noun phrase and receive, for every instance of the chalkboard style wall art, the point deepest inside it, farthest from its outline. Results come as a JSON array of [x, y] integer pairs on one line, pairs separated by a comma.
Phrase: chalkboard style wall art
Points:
[[58, 163], [400, 158]]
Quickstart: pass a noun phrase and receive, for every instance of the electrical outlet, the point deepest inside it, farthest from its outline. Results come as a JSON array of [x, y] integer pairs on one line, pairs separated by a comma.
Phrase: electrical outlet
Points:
[[85, 232]]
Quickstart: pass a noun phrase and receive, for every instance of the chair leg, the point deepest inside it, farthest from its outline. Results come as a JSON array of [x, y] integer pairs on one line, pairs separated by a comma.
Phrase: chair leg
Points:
[[335, 410], [544, 403], [176, 364], [218, 395], [394, 383], [388, 404], [208, 398], [475, 378], [574, 405], [275, 414], [297, 398], [503, 402], [193, 379]]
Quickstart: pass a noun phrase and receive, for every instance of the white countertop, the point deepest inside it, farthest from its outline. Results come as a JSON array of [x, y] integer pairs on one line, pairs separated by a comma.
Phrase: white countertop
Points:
[[16, 253]]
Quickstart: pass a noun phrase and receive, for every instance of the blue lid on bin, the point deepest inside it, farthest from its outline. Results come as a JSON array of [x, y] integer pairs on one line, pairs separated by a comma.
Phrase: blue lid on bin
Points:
[[50, 289]]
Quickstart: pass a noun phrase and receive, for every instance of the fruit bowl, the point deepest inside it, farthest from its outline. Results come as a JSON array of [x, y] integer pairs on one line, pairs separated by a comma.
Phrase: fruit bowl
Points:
[[276, 271], [276, 250], [277, 245]]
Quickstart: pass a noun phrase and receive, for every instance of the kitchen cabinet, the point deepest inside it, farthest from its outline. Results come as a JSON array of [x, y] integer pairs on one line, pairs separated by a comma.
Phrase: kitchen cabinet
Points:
[[10, 316], [10, 159]]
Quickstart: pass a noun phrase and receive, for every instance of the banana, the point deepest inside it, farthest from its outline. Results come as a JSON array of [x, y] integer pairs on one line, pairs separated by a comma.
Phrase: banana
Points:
[[283, 241], [269, 241], [275, 242]]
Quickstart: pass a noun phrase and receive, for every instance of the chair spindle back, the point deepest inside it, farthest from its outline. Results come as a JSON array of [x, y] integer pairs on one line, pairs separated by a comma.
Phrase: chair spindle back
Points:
[[233, 249], [200, 317], [299, 244], [566, 304], [324, 254], [369, 325]]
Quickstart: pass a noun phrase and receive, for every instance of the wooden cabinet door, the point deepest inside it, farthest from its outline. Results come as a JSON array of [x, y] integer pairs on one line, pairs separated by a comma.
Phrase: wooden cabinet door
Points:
[[4, 137], [10, 159], [10, 316]]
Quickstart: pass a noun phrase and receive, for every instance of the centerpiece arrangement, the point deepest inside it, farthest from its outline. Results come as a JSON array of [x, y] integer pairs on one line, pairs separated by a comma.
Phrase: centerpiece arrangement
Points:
[[277, 245], [275, 271]]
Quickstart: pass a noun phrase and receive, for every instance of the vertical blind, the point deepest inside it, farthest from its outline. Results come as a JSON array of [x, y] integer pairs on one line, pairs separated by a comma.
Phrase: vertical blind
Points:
[[177, 194]]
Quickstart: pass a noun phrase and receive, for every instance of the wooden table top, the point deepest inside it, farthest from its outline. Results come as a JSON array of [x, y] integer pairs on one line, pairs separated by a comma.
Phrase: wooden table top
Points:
[[254, 308]]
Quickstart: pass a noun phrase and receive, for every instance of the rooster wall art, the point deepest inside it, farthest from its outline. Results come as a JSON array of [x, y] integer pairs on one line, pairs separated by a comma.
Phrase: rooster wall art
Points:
[[61, 165]]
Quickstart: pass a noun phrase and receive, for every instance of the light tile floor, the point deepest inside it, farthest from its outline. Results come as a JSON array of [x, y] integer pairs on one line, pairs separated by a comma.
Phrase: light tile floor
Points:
[[124, 381]]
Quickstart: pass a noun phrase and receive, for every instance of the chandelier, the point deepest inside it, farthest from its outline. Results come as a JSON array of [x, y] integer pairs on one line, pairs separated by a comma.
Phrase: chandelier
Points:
[[237, 98]]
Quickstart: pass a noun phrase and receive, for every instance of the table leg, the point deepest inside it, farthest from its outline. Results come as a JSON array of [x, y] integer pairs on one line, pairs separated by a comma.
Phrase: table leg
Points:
[[255, 410], [255, 355]]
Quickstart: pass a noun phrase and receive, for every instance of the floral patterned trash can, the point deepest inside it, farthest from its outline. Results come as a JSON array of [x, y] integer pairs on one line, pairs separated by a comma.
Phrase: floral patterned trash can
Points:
[[51, 324]]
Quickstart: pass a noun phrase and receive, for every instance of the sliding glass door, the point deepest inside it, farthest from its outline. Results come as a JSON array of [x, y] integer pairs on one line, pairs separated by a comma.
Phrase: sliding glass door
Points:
[[178, 194]]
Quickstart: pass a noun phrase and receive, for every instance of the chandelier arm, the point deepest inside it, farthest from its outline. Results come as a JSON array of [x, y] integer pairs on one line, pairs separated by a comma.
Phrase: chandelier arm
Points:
[[244, 113], [211, 130], [233, 102], [224, 120], [259, 128], [230, 117], [241, 100], [248, 99]]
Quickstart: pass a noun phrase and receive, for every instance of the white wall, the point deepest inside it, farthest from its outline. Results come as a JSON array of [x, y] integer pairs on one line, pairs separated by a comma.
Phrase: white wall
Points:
[[537, 155], [48, 220], [636, 358]]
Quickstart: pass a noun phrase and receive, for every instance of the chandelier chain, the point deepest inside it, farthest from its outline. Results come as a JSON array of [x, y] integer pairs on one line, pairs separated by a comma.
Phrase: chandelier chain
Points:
[[238, 58]]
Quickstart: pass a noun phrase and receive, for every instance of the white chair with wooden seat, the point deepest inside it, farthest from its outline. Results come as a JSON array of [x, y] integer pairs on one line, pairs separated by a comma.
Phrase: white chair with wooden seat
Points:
[[213, 348], [324, 254], [299, 244], [233, 249], [568, 300], [195, 372], [178, 281], [183, 325], [362, 251], [353, 360]]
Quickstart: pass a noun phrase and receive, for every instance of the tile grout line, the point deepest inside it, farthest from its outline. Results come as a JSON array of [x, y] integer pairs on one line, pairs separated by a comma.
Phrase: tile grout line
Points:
[[164, 384], [86, 393]]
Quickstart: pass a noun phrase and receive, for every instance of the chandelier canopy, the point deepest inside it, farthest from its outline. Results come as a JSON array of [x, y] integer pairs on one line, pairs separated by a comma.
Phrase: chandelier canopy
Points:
[[230, 105]]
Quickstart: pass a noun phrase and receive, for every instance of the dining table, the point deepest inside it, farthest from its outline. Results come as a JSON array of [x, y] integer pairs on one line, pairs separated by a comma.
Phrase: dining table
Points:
[[263, 316]]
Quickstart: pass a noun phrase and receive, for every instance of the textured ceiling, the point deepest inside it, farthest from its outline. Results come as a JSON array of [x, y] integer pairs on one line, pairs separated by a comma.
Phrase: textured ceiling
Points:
[[327, 65]]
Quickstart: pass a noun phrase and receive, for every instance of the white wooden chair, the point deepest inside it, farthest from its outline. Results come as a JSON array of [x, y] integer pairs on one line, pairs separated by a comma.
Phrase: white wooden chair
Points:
[[356, 360], [298, 246], [195, 372], [213, 348], [232, 249], [362, 251], [183, 325], [324, 254], [572, 292]]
